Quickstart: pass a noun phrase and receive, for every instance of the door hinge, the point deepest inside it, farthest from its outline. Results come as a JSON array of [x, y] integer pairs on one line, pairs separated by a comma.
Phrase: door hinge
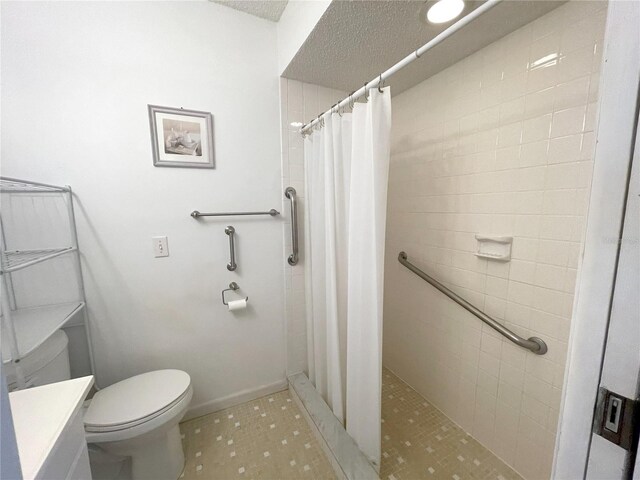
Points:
[[617, 419]]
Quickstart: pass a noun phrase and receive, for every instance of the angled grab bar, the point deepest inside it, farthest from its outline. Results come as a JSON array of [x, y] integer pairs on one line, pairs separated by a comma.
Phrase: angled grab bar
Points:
[[534, 344], [231, 266], [290, 193]]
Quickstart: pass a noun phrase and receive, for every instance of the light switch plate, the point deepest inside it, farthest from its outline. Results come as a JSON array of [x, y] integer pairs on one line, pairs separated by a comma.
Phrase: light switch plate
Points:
[[160, 246]]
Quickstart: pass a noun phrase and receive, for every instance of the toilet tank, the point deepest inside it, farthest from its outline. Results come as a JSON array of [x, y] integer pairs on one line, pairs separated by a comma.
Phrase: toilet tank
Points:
[[49, 363]]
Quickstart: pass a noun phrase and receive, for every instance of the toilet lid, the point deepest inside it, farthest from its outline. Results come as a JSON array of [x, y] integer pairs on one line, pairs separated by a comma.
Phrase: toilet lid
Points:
[[136, 398]]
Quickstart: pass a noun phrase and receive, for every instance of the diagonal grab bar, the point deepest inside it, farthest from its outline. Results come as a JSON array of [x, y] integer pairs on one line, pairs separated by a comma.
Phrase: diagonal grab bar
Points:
[[534, 344]]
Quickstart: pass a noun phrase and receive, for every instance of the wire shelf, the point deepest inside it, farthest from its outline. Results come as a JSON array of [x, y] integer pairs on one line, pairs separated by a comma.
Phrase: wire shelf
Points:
[[18, 259], [35, 325], [14, 185]]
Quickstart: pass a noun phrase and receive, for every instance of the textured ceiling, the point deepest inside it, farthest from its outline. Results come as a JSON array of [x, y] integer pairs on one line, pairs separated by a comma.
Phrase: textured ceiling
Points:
[[269, 9], [356, 40]]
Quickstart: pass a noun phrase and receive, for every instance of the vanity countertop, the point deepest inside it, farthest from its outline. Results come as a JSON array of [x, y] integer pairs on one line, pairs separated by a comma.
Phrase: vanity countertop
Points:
[[40, 416]]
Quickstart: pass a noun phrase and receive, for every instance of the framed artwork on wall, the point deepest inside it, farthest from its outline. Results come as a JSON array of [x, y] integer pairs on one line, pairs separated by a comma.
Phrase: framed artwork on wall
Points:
[[181, 138]]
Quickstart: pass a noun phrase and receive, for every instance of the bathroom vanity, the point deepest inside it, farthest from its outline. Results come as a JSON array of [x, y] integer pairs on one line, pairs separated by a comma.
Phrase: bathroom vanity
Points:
[[50, 430]]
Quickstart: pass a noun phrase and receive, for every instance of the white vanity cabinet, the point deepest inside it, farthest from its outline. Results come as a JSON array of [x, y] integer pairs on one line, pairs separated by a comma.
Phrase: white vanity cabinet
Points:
[[49, 430]]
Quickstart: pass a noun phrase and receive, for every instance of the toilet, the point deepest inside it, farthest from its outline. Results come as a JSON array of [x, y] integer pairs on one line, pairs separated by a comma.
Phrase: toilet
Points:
[[131, 426], [138, 418]]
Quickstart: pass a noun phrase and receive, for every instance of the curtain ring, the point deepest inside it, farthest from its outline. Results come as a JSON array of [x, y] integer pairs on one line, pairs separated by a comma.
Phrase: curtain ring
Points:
[[351, 100], [339, 111], [380, 83], [366, 92]]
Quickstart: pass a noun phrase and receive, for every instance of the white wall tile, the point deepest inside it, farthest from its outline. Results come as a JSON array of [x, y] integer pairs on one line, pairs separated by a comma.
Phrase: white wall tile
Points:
[[300, 102], [575, 64], [545, 47], [572, 94], [569, 121], [509, 151], [537, 128], [534, 154], [539, 102]]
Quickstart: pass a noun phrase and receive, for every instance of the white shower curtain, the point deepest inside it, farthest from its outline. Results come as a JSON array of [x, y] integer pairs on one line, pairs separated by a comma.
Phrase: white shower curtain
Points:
[[346, 174]]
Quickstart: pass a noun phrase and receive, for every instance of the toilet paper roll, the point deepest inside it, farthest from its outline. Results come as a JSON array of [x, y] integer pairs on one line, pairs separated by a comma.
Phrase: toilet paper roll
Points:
[[237, 304]]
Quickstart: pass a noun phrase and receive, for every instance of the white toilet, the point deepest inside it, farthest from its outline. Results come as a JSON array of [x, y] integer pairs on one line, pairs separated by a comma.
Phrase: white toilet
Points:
[[131, 426]]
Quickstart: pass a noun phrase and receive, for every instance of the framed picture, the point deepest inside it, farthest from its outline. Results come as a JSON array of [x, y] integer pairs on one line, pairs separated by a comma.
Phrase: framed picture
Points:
[[181, 138]]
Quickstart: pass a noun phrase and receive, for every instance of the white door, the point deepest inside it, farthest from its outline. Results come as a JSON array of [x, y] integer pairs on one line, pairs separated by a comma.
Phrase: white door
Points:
[[620, 372]]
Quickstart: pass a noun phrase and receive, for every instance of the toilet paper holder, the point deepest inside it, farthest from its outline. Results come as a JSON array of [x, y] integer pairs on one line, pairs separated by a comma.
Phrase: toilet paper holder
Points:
[[233, 286]]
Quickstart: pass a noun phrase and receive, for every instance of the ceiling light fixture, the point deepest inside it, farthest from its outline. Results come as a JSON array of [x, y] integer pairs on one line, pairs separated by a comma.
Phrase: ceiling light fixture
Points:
[[443, 11]]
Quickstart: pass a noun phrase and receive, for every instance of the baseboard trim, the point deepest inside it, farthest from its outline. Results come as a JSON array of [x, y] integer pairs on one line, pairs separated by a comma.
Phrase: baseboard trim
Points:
[[234, 399]]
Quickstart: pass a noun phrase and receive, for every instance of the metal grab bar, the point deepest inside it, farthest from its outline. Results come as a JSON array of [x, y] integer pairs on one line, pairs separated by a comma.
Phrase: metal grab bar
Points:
[[231, 266], [534, 344], [290, 193], [195, 214]]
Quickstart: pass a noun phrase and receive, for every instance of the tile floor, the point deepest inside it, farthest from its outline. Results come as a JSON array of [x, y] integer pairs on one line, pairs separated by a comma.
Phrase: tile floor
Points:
[[269, 439], [266, 439], [420, 442]]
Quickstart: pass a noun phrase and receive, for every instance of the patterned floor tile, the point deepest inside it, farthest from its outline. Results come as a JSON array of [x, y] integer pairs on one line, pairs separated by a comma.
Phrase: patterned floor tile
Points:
[[265, 439], [420, 442], [269, 439]]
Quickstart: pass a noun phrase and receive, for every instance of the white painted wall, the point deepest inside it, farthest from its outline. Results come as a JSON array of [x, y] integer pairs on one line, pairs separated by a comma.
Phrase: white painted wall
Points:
[[500, 143], [296, 23], [76, 81]]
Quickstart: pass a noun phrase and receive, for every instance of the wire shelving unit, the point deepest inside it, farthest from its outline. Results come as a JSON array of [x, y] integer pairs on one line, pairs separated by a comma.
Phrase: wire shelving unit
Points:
[[40, 218], [18, 259]]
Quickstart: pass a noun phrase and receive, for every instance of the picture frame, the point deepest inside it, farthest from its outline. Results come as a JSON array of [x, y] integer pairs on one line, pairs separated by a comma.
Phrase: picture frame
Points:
[[181, 138]]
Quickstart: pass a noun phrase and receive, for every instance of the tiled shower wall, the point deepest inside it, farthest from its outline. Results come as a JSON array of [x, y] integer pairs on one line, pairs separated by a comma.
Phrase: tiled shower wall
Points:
[[500, 143], [299, 103]]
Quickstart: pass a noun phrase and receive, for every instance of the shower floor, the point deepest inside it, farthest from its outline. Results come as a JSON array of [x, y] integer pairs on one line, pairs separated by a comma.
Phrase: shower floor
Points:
[[419, 441], [267, 438]]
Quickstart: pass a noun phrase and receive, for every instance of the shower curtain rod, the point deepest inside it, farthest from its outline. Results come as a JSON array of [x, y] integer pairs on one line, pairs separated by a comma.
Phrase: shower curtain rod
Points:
[[377, 81]]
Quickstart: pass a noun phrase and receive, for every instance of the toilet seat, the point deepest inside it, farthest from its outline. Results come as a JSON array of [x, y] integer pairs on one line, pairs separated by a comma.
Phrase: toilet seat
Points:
[[136, 400]]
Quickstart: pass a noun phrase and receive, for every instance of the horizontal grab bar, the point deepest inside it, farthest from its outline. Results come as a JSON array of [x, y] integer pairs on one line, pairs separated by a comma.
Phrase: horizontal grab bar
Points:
[[195, 214], [534, 344]]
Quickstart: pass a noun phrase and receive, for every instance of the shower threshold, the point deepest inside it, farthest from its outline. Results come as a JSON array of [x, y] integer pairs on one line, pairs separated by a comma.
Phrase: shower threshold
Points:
[[418, 440]]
